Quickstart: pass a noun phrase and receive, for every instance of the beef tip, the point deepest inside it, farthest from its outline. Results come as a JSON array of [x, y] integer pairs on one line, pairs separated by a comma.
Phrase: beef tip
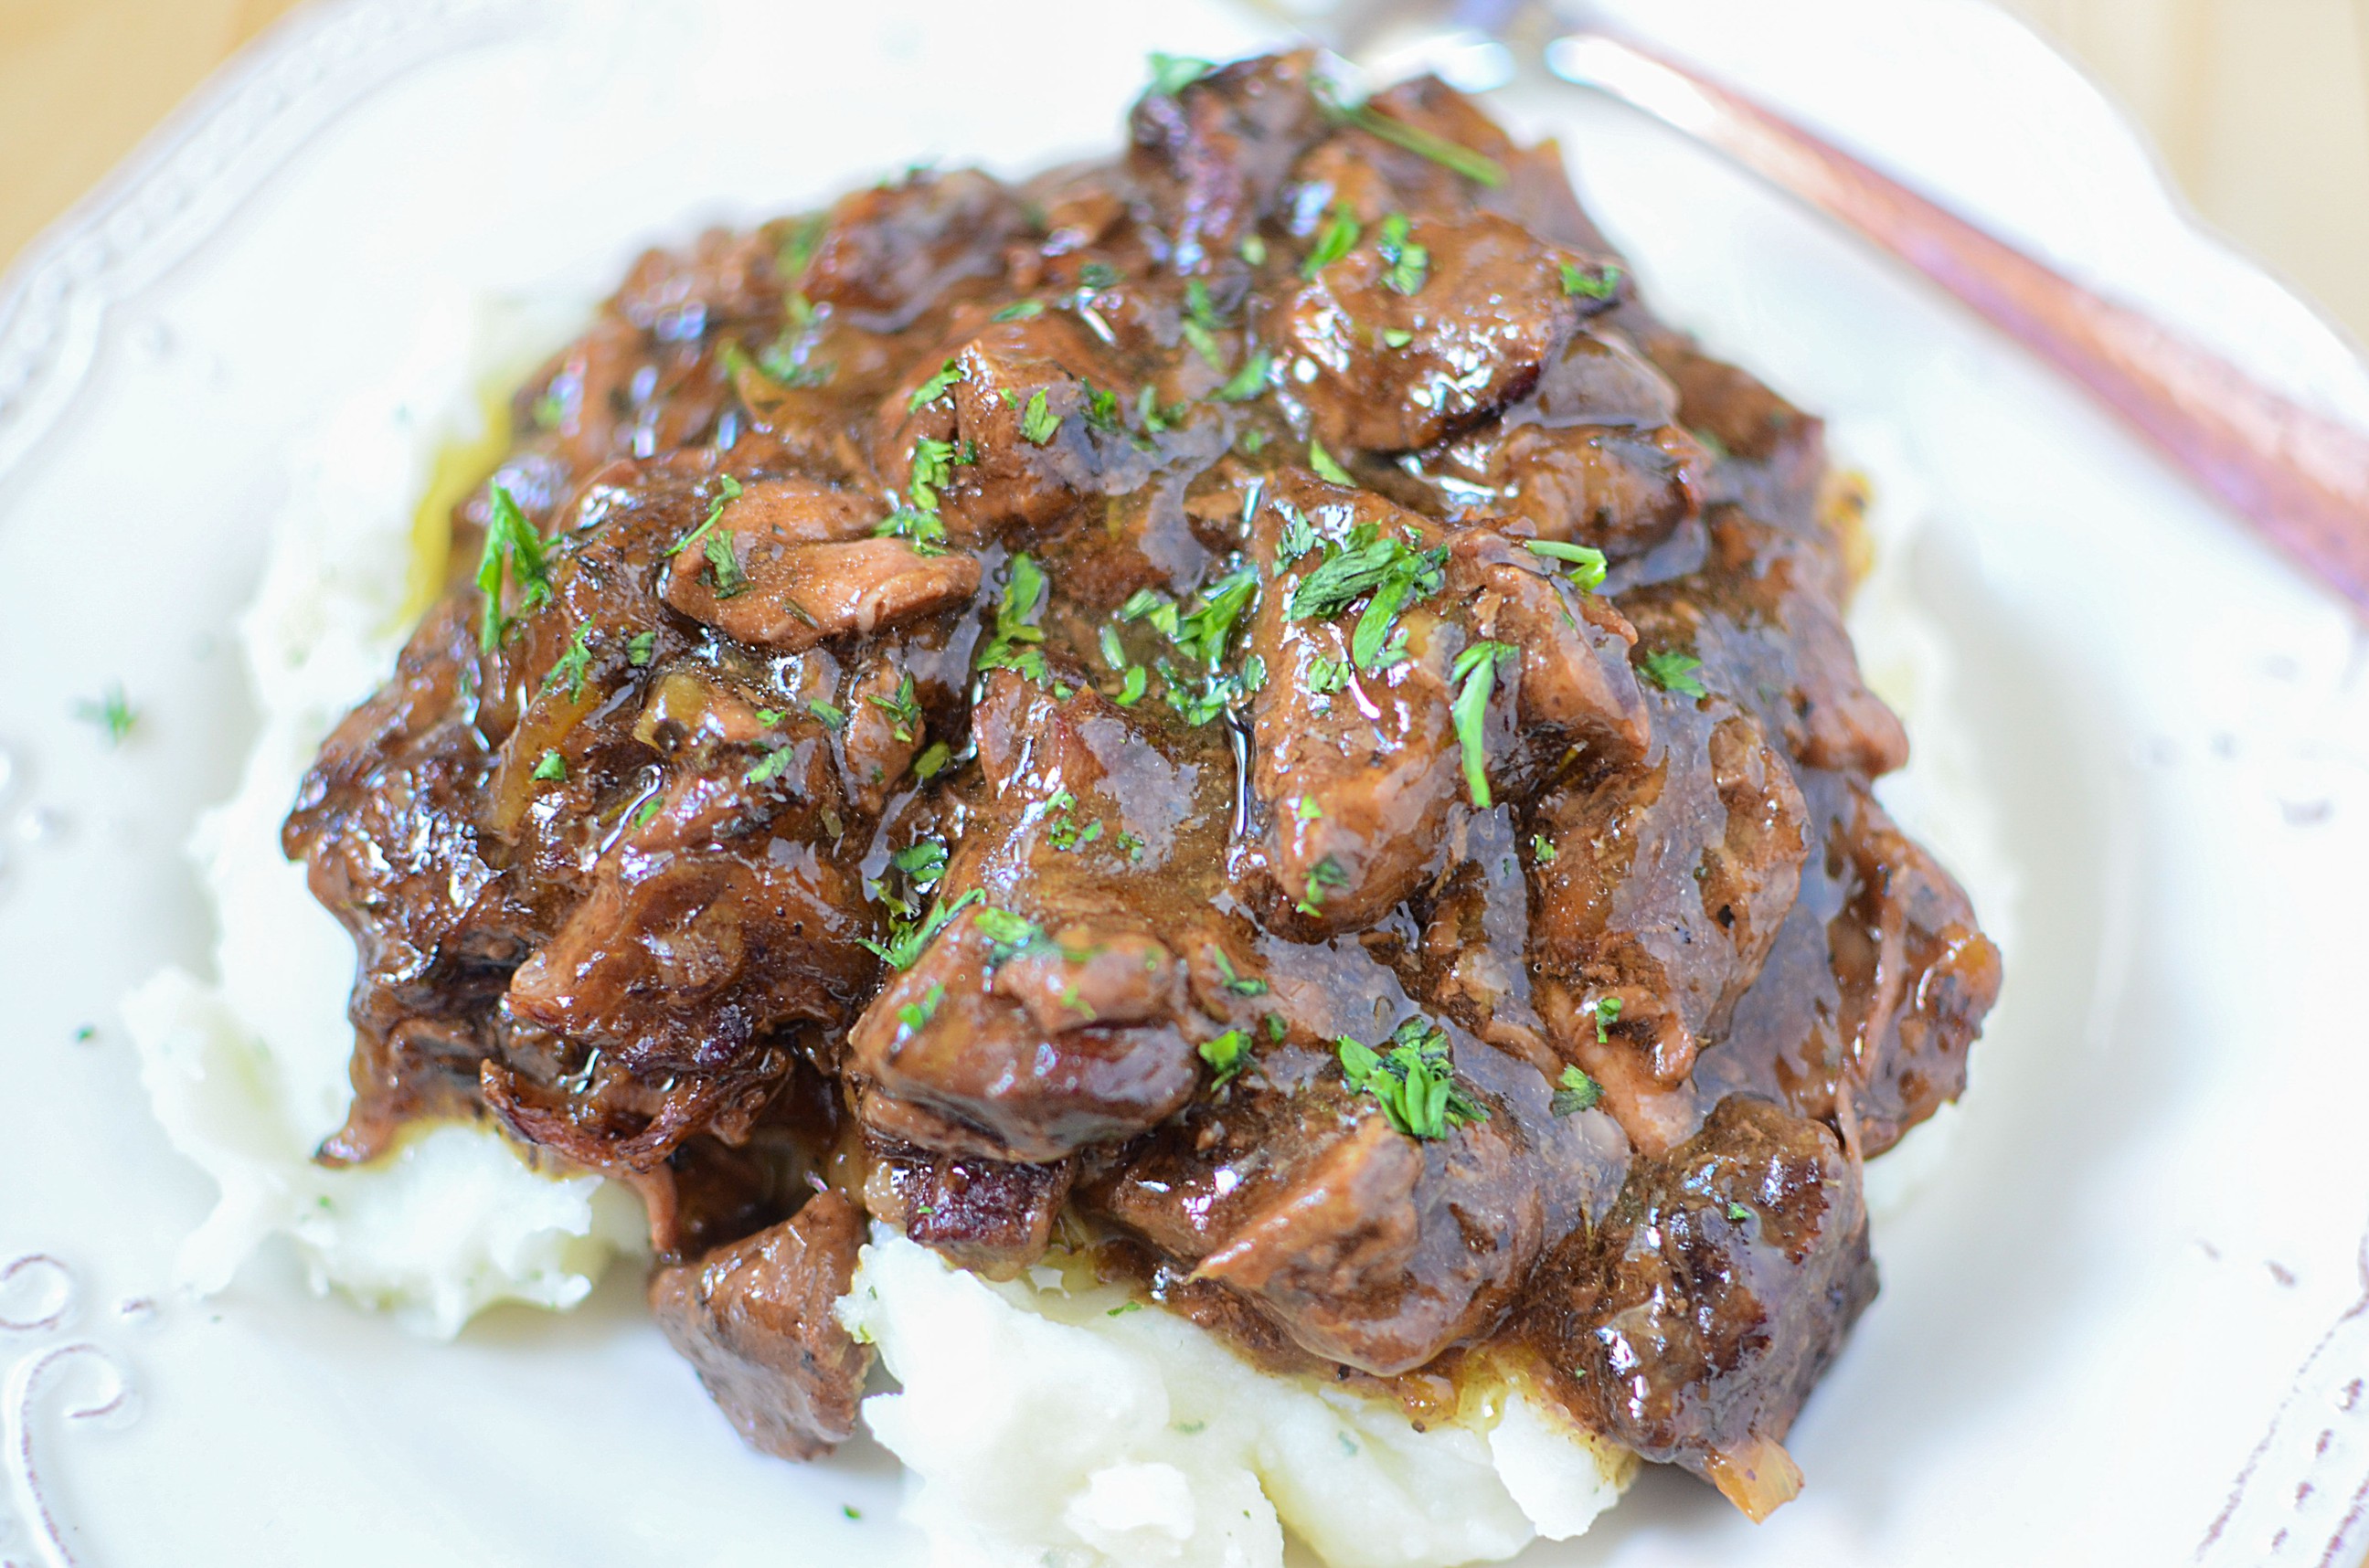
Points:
[[944, 1037], [1371, 1249], [1876, 986], [1088, 976], [724, 278], [1212, 157], [1764, 615], [886, 728], [685, 960], [1692, 1323], [1577, 685], [888, 254], [1662, 895], [988, 1216], [788, 565], [1594, 456], [756, 1321], [1354, 769], [1472, 326], [1772, 457]]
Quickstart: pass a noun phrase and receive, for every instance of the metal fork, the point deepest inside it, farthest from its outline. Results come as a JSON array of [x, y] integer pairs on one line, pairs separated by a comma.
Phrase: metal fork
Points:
[[2300, 478]]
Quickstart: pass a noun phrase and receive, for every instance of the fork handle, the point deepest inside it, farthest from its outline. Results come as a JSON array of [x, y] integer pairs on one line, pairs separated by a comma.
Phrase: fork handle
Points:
[[2300, 478]]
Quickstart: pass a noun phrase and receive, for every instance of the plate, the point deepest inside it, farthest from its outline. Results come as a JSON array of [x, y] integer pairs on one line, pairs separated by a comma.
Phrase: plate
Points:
[[2128, 1318]]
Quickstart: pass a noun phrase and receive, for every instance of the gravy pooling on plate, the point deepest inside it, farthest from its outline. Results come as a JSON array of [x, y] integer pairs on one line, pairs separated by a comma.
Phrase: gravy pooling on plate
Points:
[[1247, 709]]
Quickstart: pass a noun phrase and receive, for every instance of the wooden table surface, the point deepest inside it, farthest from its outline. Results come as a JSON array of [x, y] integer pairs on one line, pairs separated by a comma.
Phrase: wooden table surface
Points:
[[2259, 107]]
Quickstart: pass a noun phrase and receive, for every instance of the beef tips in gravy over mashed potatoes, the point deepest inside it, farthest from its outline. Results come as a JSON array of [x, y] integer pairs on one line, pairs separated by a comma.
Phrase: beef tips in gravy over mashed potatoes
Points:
[[1239, 730]]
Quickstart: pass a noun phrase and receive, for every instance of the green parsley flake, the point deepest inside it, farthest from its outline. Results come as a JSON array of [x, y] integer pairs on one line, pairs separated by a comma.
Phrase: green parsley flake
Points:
[[1227, 1056], [1404, 262], [1396, 337], [1172, 74], [725, 566], [1331, 471], [1475, 678], [915, 1014], [1674, 671], [727, 489], [1478, 167], [512, 545], [1587, 564], [1037, 421], [833, 718], [1020, 310], [1607, 1013], [1097, 275], [550, 411], [933, 762], [553, 767], [1241, 985], [1306, 810], [1298, 538], [907, 940], [641, 648], [924, 862], [929, 391], [1253, 250], [1114, 652], [1016, 628], [648, 811], [1248, 382], [1738, 1213], [1590, 282], [571, 666], [1131, 687], [1411, 1079], [1130, 846], [904, 709], [1326, 676], [1323, 876], [112, 713], [1578, 1092], [851, 1510], [771, 765], [1338, 238], [791, 260], [1540, 849], [1203, 344]]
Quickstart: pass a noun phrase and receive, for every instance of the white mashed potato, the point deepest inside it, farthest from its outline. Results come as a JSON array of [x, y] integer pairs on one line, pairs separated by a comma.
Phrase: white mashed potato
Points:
[[1040, 1427]]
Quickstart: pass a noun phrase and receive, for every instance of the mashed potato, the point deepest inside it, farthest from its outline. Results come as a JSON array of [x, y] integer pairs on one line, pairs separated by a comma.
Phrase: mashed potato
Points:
[[1041, 1424]]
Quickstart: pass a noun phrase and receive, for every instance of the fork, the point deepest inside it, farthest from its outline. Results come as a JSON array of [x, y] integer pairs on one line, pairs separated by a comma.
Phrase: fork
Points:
[[2300, 478]]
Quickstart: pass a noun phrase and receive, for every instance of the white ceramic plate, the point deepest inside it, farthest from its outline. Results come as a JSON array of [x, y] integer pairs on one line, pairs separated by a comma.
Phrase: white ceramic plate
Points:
[[2127, 1323]]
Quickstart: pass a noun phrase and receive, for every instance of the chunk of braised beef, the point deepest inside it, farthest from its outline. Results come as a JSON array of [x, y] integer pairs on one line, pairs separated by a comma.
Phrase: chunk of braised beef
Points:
[[1577, 686], [1665, 889], [756, 1319], [1213, 156], [991, 1217], [888, 254], [1692, 1322]]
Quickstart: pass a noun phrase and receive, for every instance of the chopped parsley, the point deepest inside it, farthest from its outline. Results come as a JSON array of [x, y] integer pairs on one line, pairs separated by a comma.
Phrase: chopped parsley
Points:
[[1227, 1056], [904, 709], [1131, 847], [914, 1015], [791, 260], [1391, 570], [646, 812], [726, 490], [1132, 686], [1588, 564], [640, 648], [1674, 671], [924, 862], [1102, 409], [1541, 850], [1252, 249], [1114, 652], [1097, 275], [1298, 538], [1020, 310], [937, 386], [1016, 627], [1337, 239], [1411, 1079], [571, 666], [1326, 676], [552, 767], [1123, 1309], [933, 467], [832, 718], [1249, 381], [550, 411], [1590, 282], [1404, 262], [1578, 1092], [1475, 678], [1327, 468], [1037, 421], [1607, 1013], [725, 566], [1455, 157], [1204, 630], [771, 765], [906, 939], [933, 761], [1737, 1212], [1396, 337], [512, 545], [1172, 74], [1204, 343], [1306, 810], [1241, 985], [112, 713], [1322, 877]]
